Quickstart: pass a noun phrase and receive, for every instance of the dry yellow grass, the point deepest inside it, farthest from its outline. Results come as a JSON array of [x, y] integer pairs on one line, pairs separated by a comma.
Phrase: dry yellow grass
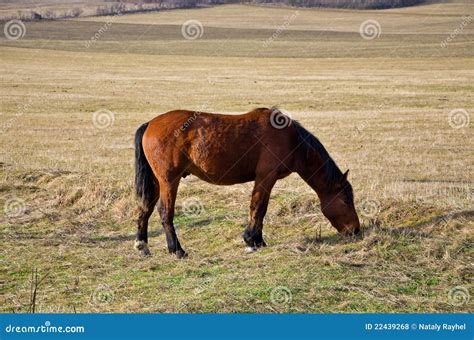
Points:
[[382, 108]]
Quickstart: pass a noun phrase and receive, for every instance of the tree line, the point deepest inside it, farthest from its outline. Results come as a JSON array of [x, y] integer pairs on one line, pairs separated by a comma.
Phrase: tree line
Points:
[[113, 7]]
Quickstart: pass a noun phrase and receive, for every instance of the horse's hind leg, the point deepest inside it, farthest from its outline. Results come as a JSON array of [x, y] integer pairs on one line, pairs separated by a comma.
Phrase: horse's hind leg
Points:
[[253, 235], [141, 242], [166, 204]]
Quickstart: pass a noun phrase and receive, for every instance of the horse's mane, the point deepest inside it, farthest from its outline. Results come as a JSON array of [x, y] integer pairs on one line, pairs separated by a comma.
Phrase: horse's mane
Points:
[[309, 142]]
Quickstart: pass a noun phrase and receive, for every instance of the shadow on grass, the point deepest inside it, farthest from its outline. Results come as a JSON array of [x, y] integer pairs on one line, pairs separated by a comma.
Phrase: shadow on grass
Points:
[[199, 221], [156, 230], [332, 239], [93, 239], [328, 239]]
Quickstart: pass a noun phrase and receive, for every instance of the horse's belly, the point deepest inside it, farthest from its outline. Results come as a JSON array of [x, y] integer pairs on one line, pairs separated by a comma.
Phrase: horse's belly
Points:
[[225, 175], [224, 167]]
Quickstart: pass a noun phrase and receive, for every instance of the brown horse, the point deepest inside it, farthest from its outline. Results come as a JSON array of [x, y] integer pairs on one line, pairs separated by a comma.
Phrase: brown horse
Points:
[[263, 145]]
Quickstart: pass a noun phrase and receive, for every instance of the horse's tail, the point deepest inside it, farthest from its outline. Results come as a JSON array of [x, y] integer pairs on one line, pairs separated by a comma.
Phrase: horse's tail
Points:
[[145, 183]]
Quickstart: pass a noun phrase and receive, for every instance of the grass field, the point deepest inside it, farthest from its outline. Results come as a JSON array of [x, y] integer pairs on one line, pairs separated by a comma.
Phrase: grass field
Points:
[[394, 109]]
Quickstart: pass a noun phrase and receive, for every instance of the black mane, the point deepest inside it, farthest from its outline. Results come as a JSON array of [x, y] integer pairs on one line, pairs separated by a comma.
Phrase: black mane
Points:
[[310, 143]]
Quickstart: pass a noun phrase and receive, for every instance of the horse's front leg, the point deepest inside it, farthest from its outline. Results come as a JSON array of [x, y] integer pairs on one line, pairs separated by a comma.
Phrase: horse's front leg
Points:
[[253, 235]]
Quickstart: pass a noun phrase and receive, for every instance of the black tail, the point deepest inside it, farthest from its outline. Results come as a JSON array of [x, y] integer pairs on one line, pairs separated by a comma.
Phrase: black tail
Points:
[[145, 184]]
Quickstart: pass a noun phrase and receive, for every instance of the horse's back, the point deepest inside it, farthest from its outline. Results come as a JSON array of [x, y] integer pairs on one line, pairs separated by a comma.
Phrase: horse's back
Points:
[[219, 148], [184, 127]]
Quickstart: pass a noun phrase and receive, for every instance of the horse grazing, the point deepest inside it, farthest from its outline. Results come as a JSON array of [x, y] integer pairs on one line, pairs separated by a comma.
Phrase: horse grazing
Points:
[[263, 145]]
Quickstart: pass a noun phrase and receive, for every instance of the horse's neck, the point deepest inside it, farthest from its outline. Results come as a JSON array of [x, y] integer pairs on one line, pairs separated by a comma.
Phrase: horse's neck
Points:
[[313, 172]]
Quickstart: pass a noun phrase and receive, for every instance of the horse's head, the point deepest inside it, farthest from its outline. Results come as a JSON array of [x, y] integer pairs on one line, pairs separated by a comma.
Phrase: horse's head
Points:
[[338, 207], [320, 171]]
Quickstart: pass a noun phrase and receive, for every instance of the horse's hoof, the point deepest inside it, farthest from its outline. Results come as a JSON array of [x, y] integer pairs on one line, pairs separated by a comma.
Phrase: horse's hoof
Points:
[[142, 247], [250, 250], [181, 254]]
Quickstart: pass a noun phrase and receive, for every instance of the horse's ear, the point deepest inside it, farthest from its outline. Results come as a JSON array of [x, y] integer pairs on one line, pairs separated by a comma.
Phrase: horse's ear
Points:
[[344, 177]]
